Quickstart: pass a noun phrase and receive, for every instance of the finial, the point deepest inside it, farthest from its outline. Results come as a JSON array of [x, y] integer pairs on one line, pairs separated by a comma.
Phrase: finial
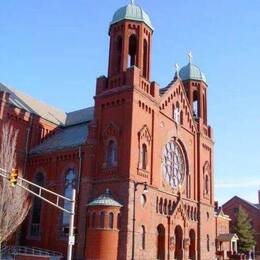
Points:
[[132, 2], [177, 70], [190, 56]]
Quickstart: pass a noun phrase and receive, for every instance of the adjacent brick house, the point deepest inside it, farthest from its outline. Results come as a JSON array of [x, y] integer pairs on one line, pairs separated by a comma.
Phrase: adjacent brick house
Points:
[[253, 211], [141, 159]]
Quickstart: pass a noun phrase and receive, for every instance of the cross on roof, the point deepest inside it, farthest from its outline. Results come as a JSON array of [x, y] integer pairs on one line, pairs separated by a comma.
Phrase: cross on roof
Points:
[[132, 2], [190, 56]]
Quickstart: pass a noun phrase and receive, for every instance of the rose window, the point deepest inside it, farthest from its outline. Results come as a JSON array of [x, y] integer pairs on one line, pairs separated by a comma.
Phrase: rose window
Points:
[[173, 165]]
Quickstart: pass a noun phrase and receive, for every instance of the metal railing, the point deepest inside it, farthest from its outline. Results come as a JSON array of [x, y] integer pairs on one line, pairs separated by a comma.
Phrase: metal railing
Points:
[[29, 251]]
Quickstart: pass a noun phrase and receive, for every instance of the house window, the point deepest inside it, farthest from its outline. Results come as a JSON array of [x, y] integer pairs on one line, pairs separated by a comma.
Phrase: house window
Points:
[[36, 209], [111, 153], [70, 184]]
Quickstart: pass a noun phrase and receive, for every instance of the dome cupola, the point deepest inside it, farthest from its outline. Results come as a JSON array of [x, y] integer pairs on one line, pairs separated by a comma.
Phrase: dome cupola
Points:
[[132, 12], [191, 72]]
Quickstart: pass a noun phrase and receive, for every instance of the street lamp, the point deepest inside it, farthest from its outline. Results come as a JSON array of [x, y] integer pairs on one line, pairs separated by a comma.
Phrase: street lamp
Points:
[[133, 234]]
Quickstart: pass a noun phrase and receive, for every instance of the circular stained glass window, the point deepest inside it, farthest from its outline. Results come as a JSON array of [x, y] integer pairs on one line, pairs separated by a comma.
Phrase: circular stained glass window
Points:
[[173, 165]]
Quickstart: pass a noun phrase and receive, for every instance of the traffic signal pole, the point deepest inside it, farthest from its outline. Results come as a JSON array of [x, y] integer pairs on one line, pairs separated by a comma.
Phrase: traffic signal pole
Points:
[[28, 186]]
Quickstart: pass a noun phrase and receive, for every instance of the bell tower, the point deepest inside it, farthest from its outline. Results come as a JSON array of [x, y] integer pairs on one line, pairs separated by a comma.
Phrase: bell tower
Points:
[[196, 88], [130, 41]]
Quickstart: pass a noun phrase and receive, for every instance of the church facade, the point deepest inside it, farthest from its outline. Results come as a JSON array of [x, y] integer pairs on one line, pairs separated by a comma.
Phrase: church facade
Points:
[[141, 159]]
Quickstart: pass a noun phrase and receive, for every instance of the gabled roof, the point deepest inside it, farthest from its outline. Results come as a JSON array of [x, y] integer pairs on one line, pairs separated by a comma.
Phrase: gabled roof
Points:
[[255, 206], [66, 138], [50, 113], [220, 213]]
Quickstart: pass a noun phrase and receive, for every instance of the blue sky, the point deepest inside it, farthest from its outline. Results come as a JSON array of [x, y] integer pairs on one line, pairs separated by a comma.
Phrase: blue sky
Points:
[[55, 49]]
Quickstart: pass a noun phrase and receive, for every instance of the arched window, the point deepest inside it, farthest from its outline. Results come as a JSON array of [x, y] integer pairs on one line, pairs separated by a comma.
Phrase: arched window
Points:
[[144, 156], [195, 105], [132, 54], [118, 50], [93, 224], [207, 184], [111, 220], [161, 206], [70, 184], [102, 219], [208, 243], [145, 59], [118, 221], [36, 209], [143, 236], [111, 154]]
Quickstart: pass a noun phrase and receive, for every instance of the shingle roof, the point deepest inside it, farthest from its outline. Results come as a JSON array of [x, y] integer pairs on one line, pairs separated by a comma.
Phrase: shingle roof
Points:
[[79, 116], [32, 105], [105, 199], [227, 237], [50, 113], [66, 138]]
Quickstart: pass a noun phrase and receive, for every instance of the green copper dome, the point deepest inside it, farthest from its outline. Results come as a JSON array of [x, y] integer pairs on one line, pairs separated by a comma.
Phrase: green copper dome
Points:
[[191, 72], [131, 12], [106, 200]]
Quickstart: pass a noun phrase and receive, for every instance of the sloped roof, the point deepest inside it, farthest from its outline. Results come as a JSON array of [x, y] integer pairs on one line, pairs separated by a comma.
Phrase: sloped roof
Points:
[[50, 113], [255, 206], [79, 116], [66, 138], [32, 105], [227, 237], [105, 199]]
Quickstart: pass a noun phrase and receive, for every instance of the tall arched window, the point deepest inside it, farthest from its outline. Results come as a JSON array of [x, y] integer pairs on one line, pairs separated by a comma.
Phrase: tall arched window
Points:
[[111, 220], [111, 153], [144, 157], [208, 243], [143, 236], [102, 219], [119, 44], [195, 105], [36, 209], [132, 54], [207, 184], [70, 184], [145, 59]]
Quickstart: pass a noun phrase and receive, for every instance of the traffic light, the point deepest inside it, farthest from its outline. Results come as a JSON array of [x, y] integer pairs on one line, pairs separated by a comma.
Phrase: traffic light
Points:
[[13, 177]]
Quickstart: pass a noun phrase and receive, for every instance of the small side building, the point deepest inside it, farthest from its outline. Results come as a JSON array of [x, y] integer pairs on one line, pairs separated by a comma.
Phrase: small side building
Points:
[[253, 210], [226, 242]]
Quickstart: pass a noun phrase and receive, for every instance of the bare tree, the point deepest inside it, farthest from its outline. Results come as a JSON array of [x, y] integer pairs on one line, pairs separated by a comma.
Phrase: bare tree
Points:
[[14, 201]]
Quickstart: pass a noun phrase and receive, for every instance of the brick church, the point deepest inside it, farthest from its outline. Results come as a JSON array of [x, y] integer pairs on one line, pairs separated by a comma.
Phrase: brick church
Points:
[[141, 159]]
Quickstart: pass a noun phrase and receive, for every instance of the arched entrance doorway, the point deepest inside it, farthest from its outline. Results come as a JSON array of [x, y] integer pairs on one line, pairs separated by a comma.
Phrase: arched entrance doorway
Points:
[[192, 247], [178, 243], [160, 242]]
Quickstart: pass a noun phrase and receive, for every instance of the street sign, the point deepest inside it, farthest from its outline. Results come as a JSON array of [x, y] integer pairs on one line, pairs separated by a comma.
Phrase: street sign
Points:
[[72, 240]]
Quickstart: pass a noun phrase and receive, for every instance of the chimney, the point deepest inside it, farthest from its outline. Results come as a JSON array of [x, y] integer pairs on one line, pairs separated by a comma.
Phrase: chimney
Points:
[[259, 197]]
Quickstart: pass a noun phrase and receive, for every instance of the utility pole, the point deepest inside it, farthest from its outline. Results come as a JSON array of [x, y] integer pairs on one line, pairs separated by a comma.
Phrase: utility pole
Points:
[[28, 186]]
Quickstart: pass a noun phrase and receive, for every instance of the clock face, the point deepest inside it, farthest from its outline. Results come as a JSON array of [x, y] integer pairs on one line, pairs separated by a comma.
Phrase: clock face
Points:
[[173, 164]]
